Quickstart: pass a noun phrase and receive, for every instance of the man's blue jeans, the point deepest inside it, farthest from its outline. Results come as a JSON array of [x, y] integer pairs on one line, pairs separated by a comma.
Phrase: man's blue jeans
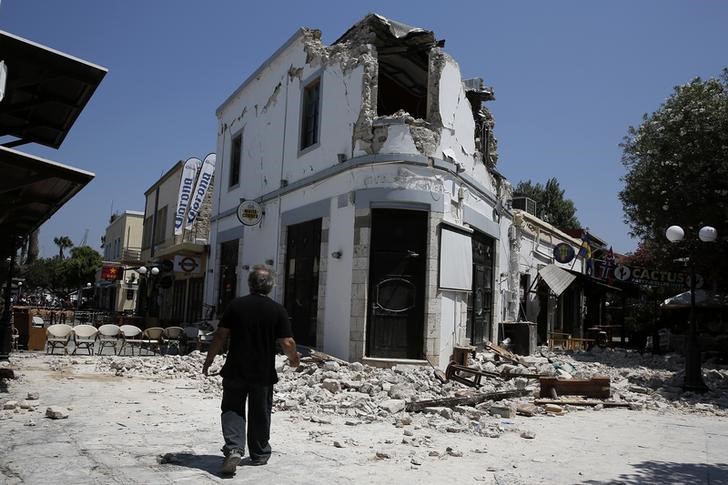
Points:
[[260, 402]]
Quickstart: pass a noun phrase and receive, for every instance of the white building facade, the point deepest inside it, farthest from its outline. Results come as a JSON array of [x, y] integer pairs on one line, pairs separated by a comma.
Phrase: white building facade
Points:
[[369, 160]]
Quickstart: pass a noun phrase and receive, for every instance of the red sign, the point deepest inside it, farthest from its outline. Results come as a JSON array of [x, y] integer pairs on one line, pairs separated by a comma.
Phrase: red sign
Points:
[[112, 273]]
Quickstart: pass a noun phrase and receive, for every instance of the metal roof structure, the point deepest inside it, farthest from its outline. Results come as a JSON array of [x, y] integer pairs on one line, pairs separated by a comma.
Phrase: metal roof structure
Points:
[[45, 93], [32, 189]]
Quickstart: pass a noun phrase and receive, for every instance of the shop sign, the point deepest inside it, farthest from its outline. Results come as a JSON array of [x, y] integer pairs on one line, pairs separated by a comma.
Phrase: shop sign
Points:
[[250, 213], [112, 273], [563, 253], [186, 264], [651, 277]]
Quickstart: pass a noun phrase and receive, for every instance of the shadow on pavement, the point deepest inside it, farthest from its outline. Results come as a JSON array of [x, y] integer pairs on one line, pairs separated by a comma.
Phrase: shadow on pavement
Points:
[[660, 472], [207, 463]]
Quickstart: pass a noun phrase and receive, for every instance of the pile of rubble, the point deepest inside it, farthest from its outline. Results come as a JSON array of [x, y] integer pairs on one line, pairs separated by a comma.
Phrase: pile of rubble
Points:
[[324, 389]]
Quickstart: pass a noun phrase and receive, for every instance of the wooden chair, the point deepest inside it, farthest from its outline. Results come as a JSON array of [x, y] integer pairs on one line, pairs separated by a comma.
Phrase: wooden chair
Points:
[[15, 337], [84, 336]]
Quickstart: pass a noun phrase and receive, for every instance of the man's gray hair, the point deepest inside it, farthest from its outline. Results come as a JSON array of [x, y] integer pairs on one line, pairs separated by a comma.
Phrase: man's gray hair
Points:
[[261, 279]]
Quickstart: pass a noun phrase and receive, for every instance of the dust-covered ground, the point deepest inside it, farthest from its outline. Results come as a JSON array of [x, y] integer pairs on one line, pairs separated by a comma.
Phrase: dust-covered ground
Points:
[[155, 419]]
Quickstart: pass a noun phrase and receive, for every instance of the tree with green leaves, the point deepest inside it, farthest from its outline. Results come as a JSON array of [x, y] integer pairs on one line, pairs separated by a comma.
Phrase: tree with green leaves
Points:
[[552, 206], [80, 268], [677, 173], [63, 243]]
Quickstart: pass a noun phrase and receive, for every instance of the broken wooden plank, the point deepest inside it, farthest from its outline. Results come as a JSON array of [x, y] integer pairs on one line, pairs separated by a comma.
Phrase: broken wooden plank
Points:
[[596, 387], [580, 402], [414, 407], [503, 353]]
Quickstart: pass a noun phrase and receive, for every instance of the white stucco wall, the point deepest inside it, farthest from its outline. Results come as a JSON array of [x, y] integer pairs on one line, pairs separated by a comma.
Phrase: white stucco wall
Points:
[[338, 280], [267, 111]]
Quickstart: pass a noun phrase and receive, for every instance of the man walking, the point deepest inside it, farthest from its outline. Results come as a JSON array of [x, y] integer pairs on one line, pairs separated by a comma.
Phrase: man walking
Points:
[[254, 324]]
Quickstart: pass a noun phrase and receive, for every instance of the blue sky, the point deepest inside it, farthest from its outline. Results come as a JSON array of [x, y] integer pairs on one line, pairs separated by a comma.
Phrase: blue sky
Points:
[[569, 77]]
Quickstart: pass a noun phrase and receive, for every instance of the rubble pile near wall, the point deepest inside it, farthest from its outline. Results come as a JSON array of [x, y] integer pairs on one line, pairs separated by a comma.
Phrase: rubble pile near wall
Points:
[[645, 381], [354, 393]]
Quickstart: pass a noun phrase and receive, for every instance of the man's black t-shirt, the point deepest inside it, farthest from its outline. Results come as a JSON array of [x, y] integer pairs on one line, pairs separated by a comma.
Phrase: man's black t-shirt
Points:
[[255, 322]]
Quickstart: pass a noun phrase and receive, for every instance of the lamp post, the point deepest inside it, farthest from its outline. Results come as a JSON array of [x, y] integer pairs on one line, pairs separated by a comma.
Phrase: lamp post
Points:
[[693, 366], [144, 288]]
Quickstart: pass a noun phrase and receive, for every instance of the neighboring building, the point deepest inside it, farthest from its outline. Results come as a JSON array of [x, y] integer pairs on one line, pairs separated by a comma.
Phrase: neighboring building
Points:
[[117, 282], [371, 162], [175, 293]]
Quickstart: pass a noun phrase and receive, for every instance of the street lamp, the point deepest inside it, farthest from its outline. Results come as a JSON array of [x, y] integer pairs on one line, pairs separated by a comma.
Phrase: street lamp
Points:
[[20, 291], [693, 367]]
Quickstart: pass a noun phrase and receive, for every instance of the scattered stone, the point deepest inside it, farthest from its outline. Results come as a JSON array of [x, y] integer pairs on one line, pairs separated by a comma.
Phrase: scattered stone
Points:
[[331, 385], [381, 455], [30, 423], [392, 405], [528, 435], [416, 461], [504, 410], [291, 405], [10, 404], [598, 407], [527, 409], [433, 453], [331, 366], [339, 444], [55, 412], [452, 452], [554, 409], [408, 433], [636, 406], [33, 396], [28, 404]]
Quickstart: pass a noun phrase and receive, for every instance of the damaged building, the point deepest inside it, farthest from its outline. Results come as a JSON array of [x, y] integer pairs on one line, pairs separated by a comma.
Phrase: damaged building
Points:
[[364, 173]]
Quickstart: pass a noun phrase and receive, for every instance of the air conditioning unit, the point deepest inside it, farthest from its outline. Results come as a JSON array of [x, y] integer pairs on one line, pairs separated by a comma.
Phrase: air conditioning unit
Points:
[[524, 204]]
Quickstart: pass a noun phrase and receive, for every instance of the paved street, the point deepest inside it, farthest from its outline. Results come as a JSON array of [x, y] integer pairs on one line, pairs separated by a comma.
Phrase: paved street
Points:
[[163, 430]]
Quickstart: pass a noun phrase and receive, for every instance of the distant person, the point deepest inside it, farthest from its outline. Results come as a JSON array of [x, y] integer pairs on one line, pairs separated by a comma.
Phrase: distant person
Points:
[[254, 324]]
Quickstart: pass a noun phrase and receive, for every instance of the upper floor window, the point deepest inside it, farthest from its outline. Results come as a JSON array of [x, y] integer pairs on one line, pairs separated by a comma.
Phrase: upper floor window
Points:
[[147, 232], [160, 228], [235, 155], [311, 114]]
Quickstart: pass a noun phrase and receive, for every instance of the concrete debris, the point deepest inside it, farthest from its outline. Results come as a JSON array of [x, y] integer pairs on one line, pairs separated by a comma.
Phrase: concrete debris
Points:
[[333, 392], [55, 412]]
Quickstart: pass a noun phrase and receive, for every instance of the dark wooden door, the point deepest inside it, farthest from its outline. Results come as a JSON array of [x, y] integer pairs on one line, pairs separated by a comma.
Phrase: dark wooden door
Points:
[[480, 300], [302, 277], [397, 266]]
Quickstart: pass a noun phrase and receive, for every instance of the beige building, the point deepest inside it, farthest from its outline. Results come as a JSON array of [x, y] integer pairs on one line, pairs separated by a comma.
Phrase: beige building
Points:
[[122, 250], [172, 288]]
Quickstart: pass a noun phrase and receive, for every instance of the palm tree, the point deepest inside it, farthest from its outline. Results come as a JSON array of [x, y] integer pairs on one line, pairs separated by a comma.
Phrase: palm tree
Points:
[[62, 242]]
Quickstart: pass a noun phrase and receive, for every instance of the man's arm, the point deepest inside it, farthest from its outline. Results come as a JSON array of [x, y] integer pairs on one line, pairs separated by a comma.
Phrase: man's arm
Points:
[[218, 341], [289, 348]]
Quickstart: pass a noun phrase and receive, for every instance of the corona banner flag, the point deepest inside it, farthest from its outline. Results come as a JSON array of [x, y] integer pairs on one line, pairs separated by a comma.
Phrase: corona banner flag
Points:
[[186, 185], [204, 182]]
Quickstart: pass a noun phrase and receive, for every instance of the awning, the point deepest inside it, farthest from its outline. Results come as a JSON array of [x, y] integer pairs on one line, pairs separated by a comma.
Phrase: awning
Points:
[[32, 189], [703, 299], [45, 93], [556, 278]]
